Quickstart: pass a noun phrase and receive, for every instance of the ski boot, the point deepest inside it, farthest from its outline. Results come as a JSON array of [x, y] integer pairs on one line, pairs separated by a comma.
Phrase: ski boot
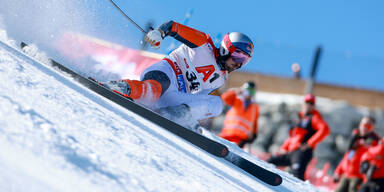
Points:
[[120, 86]]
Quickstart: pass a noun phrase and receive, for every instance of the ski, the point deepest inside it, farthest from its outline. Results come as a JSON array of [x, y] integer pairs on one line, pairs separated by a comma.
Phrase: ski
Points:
[[213, 147], [262, 174]]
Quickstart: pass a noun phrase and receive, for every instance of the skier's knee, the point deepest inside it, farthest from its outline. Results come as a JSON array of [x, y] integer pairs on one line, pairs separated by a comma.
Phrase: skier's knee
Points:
[[160, 77]]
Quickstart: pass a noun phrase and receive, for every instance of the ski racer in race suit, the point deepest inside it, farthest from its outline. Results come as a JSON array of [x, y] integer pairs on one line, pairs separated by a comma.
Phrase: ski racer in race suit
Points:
[[297, 150], [179, 86], [240, 124], [372, 166], [348, 170]]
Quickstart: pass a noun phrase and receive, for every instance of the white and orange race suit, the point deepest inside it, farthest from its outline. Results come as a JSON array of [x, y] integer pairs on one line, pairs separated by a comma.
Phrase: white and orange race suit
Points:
[[186, 76]]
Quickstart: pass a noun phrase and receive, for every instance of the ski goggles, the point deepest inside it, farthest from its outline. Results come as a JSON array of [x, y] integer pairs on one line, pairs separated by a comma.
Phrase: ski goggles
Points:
[[240, 57]]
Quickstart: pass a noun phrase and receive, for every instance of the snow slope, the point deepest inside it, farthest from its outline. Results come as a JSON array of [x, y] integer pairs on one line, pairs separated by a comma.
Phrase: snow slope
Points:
[[56, 135]]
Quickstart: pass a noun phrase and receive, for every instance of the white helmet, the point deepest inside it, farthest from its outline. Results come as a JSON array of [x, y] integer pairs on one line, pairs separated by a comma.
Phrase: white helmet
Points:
[[237, 45]]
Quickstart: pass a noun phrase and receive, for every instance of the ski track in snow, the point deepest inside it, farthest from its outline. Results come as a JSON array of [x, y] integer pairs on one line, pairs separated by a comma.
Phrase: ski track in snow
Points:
[[56, 135]]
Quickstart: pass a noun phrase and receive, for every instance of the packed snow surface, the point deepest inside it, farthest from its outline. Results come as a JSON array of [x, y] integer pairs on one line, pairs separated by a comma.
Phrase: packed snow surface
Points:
[[56, 135]]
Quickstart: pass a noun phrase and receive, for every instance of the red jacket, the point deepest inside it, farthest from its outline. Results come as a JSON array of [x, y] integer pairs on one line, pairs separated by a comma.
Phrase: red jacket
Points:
[[239, 122], [318, 130], [349, 166], [375, 156]]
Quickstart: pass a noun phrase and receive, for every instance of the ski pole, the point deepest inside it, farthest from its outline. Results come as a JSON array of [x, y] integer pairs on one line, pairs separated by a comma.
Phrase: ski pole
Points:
[[126, 16]]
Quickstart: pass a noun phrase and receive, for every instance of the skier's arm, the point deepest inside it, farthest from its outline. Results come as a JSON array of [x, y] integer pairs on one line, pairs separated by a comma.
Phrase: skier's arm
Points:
[[189, 36]]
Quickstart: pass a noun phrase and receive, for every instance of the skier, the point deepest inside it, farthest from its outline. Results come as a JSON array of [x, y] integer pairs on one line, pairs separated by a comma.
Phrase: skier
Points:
[[179, 86], [297, 150], [240, 124], [348, 170], [372, 166]]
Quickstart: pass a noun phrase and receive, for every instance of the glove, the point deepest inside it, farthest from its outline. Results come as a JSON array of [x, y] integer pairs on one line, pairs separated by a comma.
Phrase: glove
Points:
[[364, 166], [180, 114], [174, 112], [336, 179], [154, 38]]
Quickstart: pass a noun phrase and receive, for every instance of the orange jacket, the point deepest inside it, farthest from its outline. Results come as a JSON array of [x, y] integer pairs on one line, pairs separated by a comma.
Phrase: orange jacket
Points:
[[375, 156], [239, 122], [298, 134], [349, 166]]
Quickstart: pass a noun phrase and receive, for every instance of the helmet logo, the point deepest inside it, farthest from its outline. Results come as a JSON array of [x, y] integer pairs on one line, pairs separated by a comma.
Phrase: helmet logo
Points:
[[228, 44], [249, 48]]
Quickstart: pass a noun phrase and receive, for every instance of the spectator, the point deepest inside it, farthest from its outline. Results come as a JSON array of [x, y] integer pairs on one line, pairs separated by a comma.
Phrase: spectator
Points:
[[240, 124], [348, 170], [309, 130], [372, 167]]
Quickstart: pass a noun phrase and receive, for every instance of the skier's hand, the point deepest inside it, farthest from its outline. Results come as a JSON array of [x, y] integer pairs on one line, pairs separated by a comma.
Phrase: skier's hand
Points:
[[154, 38], [176, 113]]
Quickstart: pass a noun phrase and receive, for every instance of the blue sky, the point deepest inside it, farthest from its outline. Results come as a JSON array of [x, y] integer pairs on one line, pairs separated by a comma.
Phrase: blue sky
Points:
[[349, 31]]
